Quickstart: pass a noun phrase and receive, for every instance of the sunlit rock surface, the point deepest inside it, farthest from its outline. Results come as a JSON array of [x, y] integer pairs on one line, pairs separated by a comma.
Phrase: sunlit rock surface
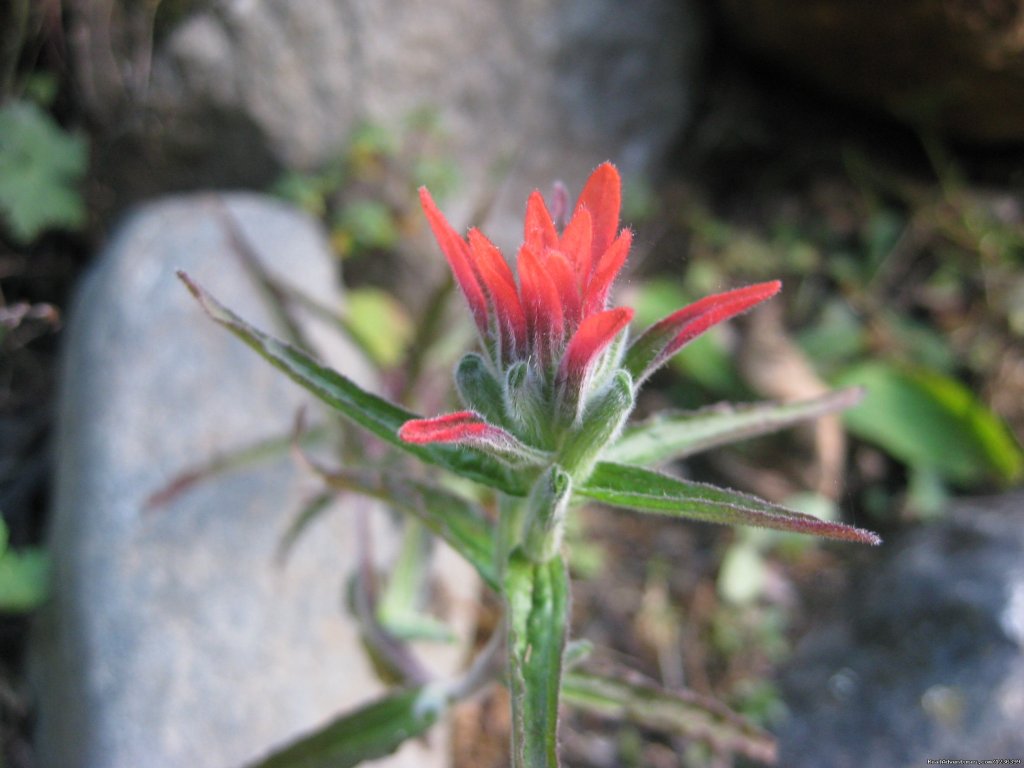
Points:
[[173, 638]]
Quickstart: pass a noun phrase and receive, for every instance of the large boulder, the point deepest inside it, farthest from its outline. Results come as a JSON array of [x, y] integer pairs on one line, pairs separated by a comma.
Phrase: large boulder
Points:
[[951, 66], [928, 660], [173, 638], [545, 88]]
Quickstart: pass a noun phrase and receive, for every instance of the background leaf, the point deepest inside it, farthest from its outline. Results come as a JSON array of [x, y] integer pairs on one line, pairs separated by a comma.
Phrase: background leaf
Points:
[[379, 324], [373, 731], [40, 168], [23, 576], [931, 421], [400, 609], [680, 713], [450, 517]]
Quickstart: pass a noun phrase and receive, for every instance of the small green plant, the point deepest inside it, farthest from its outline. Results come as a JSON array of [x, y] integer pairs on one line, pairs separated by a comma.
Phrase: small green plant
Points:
[[544, 429], [364, 193], [23, 576], [41, 166], [906, 288]]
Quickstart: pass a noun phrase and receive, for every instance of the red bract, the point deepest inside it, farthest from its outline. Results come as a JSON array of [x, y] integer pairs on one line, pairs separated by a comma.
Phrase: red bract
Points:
[[450, 428], [658, 343], [590, 340], [563, 278], [469, 428]]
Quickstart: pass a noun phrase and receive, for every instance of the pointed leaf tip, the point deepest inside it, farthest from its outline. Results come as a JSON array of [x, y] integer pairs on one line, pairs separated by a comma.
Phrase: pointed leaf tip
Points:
[[192, 287]]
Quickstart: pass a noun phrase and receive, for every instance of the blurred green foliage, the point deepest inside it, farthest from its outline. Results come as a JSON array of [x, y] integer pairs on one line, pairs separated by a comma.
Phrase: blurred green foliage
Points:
[[910, 288], [379, 325], [366, 193], [41, 168], [23, 576], [932, 422]]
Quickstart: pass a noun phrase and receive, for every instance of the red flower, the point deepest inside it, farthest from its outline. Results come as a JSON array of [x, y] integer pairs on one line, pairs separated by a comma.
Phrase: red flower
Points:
[[564, 279], [555, 317]]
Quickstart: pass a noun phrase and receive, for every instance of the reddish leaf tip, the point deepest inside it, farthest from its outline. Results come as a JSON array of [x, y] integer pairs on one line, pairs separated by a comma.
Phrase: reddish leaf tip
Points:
[[449, 428], [666, 337]]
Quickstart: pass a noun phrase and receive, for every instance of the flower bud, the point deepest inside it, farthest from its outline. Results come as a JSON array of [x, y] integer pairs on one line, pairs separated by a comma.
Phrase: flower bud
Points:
[[479, 389], [527, 405], [600, 426]]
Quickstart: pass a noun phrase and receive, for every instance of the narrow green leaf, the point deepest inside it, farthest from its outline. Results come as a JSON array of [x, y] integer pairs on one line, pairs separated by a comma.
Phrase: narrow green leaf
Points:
[[452, 518], [644, 490], [369, 411], [310, 511], [373, 731], [931, 421], [671, 436], [241, 457], [538, 607], [576, 652], [680, 713], [400, 609]]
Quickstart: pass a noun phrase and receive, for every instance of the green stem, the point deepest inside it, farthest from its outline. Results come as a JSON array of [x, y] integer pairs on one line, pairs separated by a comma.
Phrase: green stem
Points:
[[545, 514], [509, 531], [538, 609]]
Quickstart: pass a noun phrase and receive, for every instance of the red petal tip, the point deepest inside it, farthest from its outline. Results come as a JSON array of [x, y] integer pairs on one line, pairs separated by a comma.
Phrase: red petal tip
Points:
[[593, 336], [457, 252], [602, 197]]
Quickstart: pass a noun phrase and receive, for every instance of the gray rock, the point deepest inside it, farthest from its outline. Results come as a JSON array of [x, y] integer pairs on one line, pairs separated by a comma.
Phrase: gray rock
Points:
[[554, 86], [929, 660], [172, 638]]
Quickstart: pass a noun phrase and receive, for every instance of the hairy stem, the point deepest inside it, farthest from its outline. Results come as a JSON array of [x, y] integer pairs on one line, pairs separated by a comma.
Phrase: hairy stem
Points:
[[537, 596]]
